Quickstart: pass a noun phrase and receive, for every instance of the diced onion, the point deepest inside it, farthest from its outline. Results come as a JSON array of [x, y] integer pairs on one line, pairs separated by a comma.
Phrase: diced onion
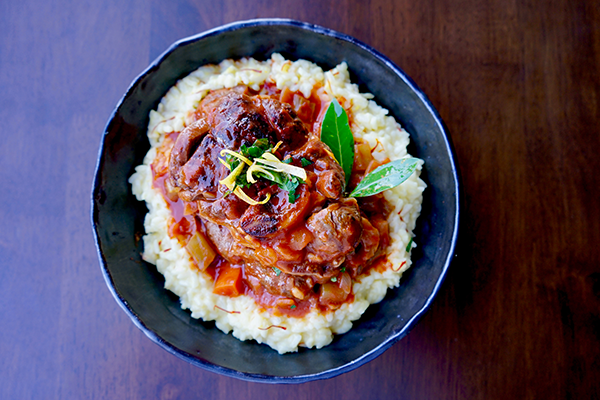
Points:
[[345, 282], [331, 293], [297, 293], [285, 302], [200, 250], [362, 156]]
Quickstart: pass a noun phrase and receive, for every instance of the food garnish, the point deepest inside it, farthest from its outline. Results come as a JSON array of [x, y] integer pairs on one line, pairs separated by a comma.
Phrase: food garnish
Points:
[[259, 160], [386, 177], [336, 133], [409, 245]]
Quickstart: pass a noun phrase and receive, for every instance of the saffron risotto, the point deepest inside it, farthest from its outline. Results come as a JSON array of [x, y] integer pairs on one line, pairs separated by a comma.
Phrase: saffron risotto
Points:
[[241, 315]]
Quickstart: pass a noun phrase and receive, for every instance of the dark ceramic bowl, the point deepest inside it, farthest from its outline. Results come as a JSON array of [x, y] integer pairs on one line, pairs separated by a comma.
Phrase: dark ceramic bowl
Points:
[[117, 217]]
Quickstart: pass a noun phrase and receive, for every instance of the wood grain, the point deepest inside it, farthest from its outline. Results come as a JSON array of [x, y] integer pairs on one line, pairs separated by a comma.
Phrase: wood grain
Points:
[[517, 84]]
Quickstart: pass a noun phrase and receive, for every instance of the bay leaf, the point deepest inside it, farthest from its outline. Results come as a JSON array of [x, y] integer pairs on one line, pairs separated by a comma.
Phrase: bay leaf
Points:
[[386, 177], [336, 133]]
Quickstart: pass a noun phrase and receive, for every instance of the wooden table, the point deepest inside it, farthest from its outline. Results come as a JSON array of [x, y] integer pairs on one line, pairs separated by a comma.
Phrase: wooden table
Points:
[[517, 84]]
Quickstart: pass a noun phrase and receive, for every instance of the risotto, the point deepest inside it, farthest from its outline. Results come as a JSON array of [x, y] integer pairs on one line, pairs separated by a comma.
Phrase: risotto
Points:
[[282, 298]]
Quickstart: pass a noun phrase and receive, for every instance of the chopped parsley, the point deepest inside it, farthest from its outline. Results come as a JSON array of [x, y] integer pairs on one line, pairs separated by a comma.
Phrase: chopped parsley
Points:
[[409, 245]]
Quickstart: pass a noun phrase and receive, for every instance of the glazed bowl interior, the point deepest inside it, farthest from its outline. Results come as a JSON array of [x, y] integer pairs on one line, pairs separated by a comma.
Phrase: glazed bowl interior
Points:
[[117, 217]]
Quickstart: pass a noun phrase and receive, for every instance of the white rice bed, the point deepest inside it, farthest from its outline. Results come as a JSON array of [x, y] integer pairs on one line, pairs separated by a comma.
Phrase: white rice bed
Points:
[[370, 123]]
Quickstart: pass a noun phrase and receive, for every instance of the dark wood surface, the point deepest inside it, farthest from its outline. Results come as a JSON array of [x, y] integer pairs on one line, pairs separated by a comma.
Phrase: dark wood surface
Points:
[[518, 86]]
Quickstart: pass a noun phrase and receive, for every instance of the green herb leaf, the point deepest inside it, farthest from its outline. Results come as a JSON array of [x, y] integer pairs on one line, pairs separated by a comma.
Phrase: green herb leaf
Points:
[[241, 181], [409, 245], [255, 151], [292, 307], [285, 178], [232, 161], [305, 162], [290, 185], [285, 182], [336, 133], [262, 143], [386, 177], [334, 279], [277, 271]]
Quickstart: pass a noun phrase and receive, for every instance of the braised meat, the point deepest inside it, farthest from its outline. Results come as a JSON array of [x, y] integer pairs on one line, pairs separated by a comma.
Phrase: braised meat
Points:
[[329, 244], [294, 242], [194, 161]]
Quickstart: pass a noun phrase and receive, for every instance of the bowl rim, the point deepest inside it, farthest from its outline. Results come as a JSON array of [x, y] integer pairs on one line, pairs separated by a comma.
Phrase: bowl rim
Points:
[[255, 377]]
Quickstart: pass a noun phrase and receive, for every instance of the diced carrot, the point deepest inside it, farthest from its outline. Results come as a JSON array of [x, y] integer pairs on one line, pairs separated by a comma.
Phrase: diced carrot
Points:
[[229, 282]]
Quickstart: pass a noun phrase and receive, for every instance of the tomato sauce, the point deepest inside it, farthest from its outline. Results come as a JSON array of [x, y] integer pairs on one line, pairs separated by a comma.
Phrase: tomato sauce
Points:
[[183, 224], [278, 305], [310, 110]]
